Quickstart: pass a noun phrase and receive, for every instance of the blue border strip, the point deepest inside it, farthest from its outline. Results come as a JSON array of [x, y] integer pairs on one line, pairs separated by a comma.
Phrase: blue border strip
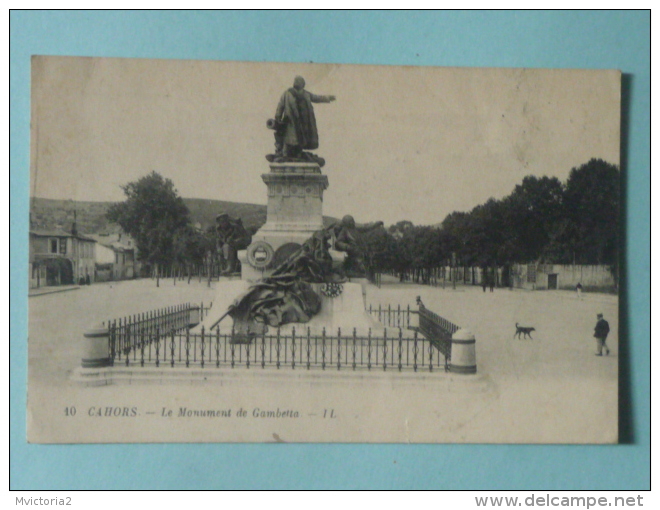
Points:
[[582, 39]]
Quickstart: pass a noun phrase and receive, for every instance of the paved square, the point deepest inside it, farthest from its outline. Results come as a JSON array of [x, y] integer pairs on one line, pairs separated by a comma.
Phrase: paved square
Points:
[[549, 389]]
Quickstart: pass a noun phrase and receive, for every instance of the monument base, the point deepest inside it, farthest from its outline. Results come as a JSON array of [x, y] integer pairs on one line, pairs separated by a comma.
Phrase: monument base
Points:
[[293, 214], [346, 311]]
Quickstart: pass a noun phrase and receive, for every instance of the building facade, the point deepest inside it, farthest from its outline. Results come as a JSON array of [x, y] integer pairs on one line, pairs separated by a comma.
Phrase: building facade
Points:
[[563, 276], [116, 257], [60, 258]]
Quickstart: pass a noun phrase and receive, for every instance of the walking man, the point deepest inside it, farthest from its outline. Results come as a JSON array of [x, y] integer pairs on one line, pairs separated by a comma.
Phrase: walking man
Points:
[[601, 331], [578, 289]]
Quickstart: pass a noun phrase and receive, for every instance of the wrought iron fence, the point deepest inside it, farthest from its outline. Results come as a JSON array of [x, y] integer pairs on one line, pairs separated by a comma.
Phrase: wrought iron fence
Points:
[[389, 350], [393, 317], [432, 326], [437, 329], [127, 334], [164, 338]]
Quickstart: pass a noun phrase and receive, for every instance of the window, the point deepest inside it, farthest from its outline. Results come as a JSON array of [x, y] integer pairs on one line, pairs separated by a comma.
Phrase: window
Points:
[[54, 246], [531, 273]]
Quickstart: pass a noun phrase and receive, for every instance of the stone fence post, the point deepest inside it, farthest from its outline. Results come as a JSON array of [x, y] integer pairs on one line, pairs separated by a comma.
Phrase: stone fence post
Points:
[[96, 349], [463, 355], [194, 316]]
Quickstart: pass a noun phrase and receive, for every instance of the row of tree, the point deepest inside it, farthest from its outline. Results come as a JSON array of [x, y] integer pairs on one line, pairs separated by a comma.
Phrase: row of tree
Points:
[[542, 220]]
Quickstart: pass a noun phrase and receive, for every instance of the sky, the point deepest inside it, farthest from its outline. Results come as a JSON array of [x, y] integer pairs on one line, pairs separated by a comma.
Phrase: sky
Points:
[[400, 142]]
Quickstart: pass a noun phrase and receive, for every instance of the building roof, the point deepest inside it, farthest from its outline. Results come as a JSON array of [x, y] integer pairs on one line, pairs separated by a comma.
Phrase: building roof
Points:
[[113, 241], [59, 233], [56, 232]]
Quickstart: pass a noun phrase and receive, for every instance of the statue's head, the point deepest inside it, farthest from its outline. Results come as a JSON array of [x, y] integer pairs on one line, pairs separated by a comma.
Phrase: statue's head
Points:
[[299, 83], [222, 219], [348, 221]]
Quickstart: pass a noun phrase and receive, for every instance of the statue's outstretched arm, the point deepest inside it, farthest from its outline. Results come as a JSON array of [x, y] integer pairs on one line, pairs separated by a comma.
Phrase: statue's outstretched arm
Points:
[[321, 99], [369, 226]]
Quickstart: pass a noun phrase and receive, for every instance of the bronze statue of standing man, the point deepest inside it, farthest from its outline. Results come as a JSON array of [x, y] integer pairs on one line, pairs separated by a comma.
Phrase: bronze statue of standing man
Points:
[[295, 123]]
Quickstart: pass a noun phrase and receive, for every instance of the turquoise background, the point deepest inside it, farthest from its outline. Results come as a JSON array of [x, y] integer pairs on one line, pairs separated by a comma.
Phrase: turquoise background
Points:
[[585, 39]]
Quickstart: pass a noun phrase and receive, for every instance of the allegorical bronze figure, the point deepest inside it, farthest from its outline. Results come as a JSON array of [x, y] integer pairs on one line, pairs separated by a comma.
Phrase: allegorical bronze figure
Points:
[[286, 295], [231, 237], [347, 239]]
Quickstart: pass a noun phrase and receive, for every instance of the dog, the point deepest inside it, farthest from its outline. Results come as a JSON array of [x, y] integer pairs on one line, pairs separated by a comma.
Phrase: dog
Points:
[[525, 331]]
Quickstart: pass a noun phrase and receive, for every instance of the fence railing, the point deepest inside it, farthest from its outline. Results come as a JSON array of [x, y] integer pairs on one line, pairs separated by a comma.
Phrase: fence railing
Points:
[[390, 350], [127, 334], [438, 330], [393, 317], [164, 338]]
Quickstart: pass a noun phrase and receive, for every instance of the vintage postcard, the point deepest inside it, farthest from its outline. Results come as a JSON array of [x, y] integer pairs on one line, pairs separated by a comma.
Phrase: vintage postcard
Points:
[[262, 252]]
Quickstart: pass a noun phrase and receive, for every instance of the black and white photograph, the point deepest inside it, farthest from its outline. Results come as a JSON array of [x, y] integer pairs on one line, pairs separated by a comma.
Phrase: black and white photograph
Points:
[[322, 253]]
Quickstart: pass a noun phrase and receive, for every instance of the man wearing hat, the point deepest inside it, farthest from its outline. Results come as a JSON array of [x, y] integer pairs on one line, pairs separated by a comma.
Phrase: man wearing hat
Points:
[[601, 331]]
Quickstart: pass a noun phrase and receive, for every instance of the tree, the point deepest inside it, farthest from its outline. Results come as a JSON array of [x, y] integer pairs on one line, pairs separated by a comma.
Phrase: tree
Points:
[[458, 228], [191, 248], [398, 229], [152, 214], [378, 251], [534, 214], [592, 208]]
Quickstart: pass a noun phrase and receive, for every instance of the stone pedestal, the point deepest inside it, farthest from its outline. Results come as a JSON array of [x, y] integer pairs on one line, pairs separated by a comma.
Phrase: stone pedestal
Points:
[[294, 213]]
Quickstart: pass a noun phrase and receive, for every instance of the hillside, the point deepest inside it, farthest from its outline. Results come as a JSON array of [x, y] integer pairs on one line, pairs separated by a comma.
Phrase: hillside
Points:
[[49, 213]]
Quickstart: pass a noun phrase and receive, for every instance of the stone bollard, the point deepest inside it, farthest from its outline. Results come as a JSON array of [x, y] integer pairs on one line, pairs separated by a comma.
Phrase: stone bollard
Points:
[[463, 356], [194, 317], [96, 349]]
